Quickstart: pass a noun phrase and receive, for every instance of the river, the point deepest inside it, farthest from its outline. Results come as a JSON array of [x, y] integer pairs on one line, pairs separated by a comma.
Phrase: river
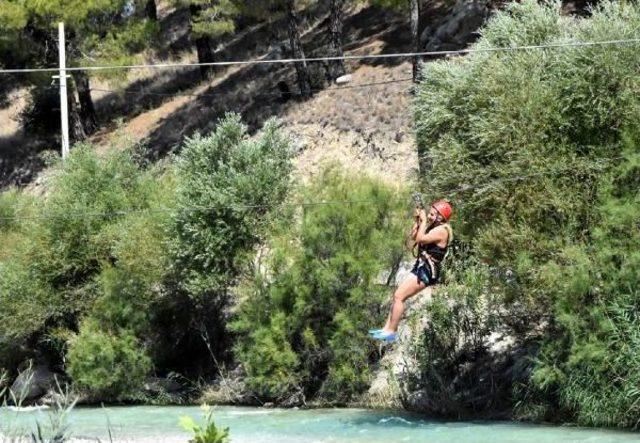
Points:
[[257, 425]]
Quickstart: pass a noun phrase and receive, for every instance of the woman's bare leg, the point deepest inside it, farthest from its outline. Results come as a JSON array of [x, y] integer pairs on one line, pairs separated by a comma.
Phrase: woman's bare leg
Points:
[[408, 288]]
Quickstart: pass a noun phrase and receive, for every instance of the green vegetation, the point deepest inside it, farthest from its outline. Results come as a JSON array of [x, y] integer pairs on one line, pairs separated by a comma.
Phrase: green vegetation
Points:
[[304, 314], [540, 150], [217, 258], [117, 260], [208, 432]]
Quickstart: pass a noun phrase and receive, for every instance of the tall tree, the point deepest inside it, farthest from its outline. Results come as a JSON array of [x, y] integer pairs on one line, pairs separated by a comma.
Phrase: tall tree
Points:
[[413, 7], [273, 10], [336, 21], [302, 70], [97, 32], [151, 10], [210, 19], [415, 37]]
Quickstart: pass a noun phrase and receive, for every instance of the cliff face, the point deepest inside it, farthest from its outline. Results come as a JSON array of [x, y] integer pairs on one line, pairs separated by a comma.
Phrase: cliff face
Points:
[[465, 367]]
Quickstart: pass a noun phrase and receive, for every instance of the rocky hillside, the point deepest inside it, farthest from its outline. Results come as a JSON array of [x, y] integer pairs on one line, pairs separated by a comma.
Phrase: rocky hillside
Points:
[[363, 123]]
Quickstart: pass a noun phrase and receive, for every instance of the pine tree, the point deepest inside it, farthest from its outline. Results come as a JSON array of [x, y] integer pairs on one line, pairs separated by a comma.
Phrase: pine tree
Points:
[[210, 19], [336, 22], [97, 31], [413, 6], [289, 9]]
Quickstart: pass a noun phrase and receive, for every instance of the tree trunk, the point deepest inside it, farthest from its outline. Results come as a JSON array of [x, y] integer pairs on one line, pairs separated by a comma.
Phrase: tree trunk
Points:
[[150, 10], [415, 37], [87, 110], [76, 129], [203, 46], [302, 70], [336, 67]]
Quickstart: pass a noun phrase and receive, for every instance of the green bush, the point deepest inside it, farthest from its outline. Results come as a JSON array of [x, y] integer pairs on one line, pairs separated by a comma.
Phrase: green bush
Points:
[[227, 182], [592, 361], [525, 143], [108, 365], [228, 185], [95, 245], [304, 314]]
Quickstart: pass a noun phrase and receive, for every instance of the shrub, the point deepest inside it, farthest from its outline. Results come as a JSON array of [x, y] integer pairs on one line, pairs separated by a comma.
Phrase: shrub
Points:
[[525, 143], [208, 432], [226, 184], [304, 314], [108, 365], [94, 245]]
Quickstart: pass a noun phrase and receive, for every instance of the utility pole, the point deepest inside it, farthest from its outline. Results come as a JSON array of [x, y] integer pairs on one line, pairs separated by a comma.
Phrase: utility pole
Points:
[[64, 113]]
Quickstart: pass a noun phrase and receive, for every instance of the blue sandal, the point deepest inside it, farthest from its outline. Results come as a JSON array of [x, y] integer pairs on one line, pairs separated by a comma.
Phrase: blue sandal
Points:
[[385, 336]]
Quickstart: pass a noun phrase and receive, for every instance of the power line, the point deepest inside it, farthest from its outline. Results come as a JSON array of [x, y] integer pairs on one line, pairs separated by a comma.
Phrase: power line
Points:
[[327, 59], [240, 206]]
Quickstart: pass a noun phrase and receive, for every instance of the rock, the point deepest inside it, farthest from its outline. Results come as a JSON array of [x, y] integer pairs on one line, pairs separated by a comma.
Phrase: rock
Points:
[[459, 28], [399, 361], [294, 400], [157, 385], [343, 79], [32, 384], [55, 397], [299, 143], [397, 275]]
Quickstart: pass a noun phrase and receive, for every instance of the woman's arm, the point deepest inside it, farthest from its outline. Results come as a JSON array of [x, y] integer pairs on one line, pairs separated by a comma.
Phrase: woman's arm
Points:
[[436, 235]]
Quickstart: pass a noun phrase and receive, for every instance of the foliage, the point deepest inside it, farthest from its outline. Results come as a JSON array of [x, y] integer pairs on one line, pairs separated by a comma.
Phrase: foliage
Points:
[[63, 253], [304, 312], [208, 432], [227, 182], [526, 143], [107, 264], [109, 365], [57, 429]]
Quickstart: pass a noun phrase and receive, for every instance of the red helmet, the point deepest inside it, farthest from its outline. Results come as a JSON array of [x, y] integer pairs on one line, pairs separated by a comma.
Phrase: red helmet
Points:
[[443, 208]]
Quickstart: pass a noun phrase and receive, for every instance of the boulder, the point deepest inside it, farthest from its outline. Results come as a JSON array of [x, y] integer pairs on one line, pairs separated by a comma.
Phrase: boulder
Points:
[[158, 385], [32, 384], [459, 28], [294, 400], [343, 79]]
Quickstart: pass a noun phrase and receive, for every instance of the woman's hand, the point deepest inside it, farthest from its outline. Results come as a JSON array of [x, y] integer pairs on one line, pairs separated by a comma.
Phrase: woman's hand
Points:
[[422, 215]]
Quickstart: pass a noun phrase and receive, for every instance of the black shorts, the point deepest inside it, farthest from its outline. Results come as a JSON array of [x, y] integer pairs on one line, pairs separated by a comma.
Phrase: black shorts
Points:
[[423, 271]]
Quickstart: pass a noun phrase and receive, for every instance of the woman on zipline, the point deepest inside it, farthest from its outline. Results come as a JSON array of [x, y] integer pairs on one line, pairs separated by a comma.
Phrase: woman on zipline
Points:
[[432, 234]]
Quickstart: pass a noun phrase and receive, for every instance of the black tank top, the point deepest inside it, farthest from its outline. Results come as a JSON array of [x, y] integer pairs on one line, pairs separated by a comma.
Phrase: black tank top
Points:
[[435, 252]]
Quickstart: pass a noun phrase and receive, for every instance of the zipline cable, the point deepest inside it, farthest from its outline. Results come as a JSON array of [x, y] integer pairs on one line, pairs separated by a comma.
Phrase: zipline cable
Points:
[[326, 59]]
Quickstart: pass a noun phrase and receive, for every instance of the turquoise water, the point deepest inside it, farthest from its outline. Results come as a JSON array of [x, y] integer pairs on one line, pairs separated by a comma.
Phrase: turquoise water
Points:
[[257, 425]]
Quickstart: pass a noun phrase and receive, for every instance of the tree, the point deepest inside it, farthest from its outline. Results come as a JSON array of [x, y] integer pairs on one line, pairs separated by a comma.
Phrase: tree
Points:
[[151, 10], [276, 9], [415, 37], [336, 20], [302, 70], [97, 31], [209, 20], [414, 7]]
